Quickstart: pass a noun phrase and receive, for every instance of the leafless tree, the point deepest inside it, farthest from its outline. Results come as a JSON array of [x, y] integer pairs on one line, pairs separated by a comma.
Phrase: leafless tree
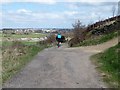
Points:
[[51, 39], [78, 31]]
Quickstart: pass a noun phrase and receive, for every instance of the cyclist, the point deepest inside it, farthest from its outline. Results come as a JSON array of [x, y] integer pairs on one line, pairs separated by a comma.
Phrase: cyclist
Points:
[[58, 38]]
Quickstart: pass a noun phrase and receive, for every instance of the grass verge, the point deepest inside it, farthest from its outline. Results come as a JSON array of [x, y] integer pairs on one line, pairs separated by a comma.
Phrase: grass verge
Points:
[[108, 64], [15, 55]]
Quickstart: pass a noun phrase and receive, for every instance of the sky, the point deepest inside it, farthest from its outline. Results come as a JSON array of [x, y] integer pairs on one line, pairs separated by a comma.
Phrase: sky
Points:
[[53, 13]]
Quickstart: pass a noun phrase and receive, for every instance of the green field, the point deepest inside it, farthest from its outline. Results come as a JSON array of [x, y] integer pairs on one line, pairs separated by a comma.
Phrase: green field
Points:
[[31, 35], [5, 42], [9, 43]]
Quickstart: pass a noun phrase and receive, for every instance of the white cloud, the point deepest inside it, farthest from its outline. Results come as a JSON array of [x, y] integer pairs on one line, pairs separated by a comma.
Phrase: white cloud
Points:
[[76, 12], [42, 1], [54, 1], [28, 15], [93, 15], [38, 1], [46, 16], [72, 6], [24, 11], [4, 1], [23, 15], [90, 1], [0, 14], [0, 18], [70, 13]]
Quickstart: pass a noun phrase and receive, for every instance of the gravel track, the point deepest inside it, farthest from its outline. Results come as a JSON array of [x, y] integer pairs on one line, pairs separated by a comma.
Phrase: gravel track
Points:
[[61, 68]]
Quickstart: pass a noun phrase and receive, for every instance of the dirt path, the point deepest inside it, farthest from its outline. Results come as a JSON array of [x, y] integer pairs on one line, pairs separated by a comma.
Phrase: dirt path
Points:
[[61, 68], [98, 48]]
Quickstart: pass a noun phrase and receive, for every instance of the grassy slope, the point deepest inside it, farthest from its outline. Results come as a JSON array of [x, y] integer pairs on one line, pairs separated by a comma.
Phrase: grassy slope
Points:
[[99, 40], [16, 55], [109, 64]]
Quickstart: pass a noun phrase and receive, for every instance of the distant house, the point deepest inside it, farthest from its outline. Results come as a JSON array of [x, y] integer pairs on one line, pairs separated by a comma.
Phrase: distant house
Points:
[[8, 31], [17, 31]]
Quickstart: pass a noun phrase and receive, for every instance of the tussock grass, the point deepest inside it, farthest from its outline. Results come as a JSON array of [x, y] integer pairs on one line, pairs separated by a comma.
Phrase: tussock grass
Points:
[[15, 55]]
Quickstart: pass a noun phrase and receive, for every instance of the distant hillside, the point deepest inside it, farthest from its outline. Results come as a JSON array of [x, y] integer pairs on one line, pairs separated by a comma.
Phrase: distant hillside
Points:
[[106, 26], [103, 23]]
